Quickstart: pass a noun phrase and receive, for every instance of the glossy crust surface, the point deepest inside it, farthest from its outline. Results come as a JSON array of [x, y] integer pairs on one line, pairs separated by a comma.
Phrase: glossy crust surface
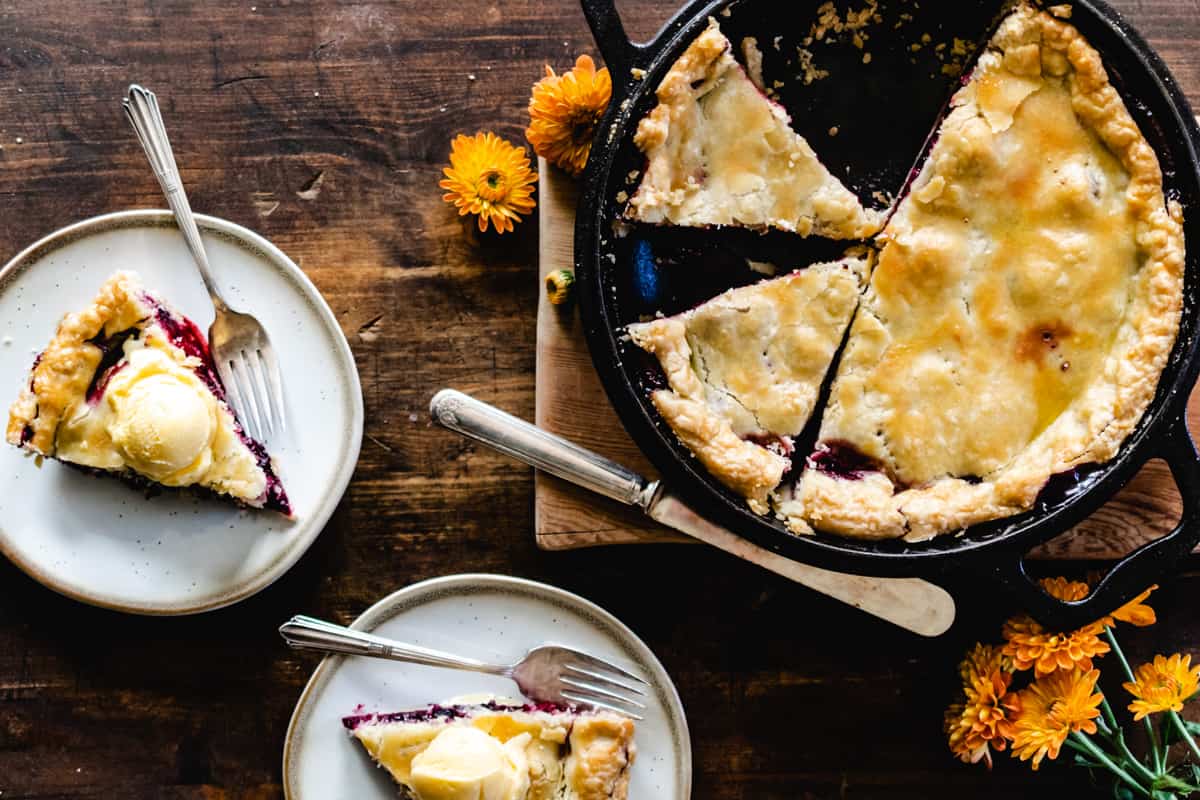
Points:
[[572, 755], [746, 367], [719, 152], [1026, 299]]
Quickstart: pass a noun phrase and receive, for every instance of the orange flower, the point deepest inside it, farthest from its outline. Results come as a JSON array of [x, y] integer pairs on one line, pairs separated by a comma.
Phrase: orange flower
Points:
[[490, 178], [1135, 612], [1163, 685], [1050, 708], [564, 111], [1028, 644], [982, 721]]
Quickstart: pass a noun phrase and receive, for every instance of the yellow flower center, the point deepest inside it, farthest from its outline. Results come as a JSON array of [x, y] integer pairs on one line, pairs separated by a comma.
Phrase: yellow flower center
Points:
[[492, 186]]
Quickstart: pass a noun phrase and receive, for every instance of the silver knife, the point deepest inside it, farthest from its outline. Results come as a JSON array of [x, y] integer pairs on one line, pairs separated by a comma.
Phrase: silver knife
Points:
[[911, 603]]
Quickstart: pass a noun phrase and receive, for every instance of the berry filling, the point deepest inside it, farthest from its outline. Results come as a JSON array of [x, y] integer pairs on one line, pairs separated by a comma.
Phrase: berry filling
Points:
[[437, 711], [842, 460], [112, 349]]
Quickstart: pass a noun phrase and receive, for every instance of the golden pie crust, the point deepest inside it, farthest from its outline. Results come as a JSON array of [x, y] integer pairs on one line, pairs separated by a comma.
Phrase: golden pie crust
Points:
[[53, 416], [746, 367], [1025, 301], [572, 756], [65, 369], [719, 152]]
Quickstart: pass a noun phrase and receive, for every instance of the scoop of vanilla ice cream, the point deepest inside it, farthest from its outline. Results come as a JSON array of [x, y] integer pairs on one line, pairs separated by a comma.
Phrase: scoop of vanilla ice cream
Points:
[[161, 422], [464, 763]]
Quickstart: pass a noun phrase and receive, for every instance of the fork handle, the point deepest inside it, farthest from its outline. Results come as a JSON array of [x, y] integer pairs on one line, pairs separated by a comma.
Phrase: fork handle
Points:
[[307, 633], [517, 438], [141, 108]]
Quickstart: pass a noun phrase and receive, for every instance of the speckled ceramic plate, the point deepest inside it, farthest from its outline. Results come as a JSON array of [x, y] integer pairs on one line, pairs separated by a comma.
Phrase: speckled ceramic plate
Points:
[[101, 542], [490, 617]]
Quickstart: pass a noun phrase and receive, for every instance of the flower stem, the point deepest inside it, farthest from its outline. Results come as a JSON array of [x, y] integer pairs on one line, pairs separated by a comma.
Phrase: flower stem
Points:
[[1141, 768], [1110, 718], [1112, 640], [1183, 734], [1102, 758], [1157, 754]]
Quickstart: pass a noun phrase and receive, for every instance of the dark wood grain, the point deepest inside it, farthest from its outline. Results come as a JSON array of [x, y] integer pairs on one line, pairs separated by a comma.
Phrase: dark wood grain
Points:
[[789, 694]]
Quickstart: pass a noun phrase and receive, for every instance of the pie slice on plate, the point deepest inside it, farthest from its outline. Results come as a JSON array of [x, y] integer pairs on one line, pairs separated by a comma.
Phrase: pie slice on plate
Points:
[[746, 367], [500, 750], [719, 152], [127, 387], [1026, 298]]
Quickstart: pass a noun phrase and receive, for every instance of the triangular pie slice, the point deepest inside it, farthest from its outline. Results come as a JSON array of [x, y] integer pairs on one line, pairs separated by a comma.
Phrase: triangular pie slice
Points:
[[495, 749], [719, 152], [1025, 301], [745, 370], [127, 387]]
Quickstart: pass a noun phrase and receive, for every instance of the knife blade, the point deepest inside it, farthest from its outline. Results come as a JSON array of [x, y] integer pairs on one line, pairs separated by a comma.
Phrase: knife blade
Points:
[[911, 603]]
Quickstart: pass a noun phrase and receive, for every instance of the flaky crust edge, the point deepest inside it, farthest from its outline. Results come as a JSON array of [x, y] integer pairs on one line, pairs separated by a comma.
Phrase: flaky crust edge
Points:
[[749, 469], [603, 750], [705, 61], [1094, 427], [65, 368]]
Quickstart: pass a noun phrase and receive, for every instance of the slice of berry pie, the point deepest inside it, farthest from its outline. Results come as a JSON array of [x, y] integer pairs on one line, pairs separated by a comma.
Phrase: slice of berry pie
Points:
[[720, 152], [127, 387], [500, 751], [746, 367], [1026, 299]]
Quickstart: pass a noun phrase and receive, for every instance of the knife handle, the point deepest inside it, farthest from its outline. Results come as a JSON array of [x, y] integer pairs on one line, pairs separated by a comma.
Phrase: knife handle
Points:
[[545, 451]]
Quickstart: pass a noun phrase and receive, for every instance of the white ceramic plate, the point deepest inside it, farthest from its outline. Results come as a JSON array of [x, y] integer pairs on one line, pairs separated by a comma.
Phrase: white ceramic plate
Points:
[[96, 539], [490, 617]]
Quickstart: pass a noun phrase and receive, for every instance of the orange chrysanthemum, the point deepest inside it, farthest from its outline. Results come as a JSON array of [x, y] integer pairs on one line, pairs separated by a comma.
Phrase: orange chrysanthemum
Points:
[[1163, 685], [1050, 708], [983, 720], [1028, 644], [1135, 612], [491, 178], [564, 111]]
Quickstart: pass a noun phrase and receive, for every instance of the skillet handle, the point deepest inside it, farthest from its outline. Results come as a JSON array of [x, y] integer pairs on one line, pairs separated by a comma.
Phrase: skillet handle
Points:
[[1136, 571], [620, 53]]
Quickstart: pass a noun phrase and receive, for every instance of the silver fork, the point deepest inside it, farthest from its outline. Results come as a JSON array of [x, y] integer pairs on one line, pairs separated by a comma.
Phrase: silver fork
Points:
[[241, 349], [549, 673]]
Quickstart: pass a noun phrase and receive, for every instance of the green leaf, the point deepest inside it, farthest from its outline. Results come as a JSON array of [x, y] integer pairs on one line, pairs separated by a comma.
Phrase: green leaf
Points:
[[1192, 727], [1123, 792], [1174, 784]]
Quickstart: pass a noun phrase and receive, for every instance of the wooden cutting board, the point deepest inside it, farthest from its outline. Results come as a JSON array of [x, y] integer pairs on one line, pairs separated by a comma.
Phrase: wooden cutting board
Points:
[[571, 403]]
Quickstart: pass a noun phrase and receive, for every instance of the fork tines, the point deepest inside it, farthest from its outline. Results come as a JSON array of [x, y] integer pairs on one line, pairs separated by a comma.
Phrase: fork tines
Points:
[[602, 685], [251, 377]]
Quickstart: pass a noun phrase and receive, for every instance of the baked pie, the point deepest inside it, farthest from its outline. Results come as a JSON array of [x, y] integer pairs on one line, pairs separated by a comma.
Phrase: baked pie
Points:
[[500, 751], [720, 152], [1024, 302], [127, 387], [745, 369]]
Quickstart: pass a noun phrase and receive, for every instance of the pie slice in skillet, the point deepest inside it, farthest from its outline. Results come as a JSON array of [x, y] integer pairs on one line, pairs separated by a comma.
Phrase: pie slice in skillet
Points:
[[719, 152], [127, 387], [745, 370], [1026, 299]]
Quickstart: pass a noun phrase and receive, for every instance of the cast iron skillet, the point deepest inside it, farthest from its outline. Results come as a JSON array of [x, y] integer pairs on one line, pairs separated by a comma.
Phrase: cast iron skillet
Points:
[[884, 112]]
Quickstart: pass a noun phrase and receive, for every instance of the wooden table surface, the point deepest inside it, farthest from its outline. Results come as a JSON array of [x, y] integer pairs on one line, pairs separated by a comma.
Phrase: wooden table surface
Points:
[[324, 125]]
